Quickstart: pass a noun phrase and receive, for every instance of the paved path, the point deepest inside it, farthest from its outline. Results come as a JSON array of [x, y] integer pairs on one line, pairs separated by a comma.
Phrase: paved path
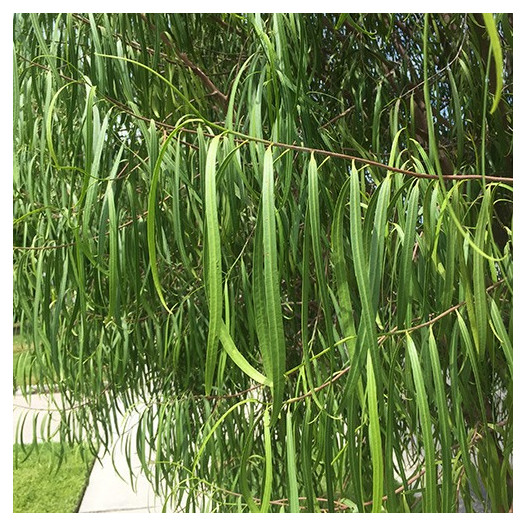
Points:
[[108, 492], [33, 415]]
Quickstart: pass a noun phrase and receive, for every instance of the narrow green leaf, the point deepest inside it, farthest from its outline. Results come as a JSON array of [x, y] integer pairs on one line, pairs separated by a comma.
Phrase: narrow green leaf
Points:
[[376, 258], [276, 339], [375, 438], [448, 496], [178, 223], [403, 306], [306, 460], [496, 51], [243, 472], [260, 303], [150, 222], [238, 358], [114, 254], [328, 432], [341, 19], [294, 502], [213, 277], [340, 270], [265, 499], [502, 334], [376, 118], [360, 264], [430, 492], [306, 341], [479, 278], [316, 238], [49, 124]]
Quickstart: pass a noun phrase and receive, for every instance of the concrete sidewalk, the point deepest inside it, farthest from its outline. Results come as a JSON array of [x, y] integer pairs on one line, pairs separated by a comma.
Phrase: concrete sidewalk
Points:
[[35, 414], [108, 491]]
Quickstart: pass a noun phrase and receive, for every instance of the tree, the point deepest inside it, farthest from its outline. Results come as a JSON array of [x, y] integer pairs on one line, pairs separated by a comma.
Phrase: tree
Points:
[[284, 239]]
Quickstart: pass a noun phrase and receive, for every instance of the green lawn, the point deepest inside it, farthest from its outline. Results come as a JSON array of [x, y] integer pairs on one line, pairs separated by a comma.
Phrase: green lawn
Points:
[[19, 344], [39, 487]]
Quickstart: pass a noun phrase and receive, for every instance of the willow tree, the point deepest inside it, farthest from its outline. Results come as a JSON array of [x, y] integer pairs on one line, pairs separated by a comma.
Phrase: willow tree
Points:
[[284, 241]]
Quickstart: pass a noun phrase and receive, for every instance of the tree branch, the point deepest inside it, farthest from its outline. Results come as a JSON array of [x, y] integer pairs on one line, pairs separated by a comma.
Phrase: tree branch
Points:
[[205, 79], [453, 177]]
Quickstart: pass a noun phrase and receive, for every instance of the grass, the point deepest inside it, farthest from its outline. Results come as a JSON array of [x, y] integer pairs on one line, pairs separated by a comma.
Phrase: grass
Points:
[[20, 346], [40, 485]]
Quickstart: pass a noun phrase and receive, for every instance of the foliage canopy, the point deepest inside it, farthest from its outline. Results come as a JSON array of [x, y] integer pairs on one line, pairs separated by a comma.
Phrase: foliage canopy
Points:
[[284, 240]]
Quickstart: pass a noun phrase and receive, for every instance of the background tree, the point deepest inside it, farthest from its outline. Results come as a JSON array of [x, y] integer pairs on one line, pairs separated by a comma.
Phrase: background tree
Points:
[[284, 240]]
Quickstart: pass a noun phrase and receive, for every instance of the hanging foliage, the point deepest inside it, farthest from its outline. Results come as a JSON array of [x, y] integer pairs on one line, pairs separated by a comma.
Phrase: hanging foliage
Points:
[[284, 241]]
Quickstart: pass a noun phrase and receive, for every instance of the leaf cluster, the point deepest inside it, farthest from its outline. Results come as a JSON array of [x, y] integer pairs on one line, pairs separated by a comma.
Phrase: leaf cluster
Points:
[[201, 241]]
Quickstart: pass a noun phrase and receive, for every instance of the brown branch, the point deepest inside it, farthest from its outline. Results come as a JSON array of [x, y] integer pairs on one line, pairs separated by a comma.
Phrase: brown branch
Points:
[[340, 505], [384, 337], [223, 99], [336, 376], [334, 119], [454, 177], [328, 153], [212, 88], [385, 166], [214, 91], [401, 488], [233, 395], [446, 312], [46, 247]]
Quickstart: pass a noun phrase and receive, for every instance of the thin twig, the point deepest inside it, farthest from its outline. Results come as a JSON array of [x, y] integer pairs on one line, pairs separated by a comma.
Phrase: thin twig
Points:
[[46, 247], [334, 119], [453, 177], [401, 488], [205, 79], [327, 153], [446, 312], [381, 339]]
